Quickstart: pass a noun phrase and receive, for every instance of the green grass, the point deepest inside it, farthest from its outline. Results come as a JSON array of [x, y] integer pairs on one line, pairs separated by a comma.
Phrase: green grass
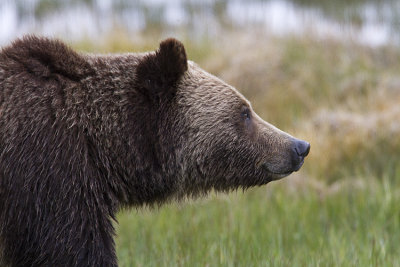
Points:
[[269, 226]]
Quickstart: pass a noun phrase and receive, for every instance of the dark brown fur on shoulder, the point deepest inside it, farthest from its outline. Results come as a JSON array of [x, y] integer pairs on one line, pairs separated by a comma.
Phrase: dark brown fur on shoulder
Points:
[[56, 205], [78, 141]]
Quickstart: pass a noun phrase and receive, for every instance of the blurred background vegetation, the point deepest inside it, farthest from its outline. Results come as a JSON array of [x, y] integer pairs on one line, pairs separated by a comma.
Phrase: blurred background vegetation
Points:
[[325, 71]]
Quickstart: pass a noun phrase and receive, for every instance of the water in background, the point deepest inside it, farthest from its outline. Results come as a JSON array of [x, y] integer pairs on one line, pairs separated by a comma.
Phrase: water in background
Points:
[[371, 22]]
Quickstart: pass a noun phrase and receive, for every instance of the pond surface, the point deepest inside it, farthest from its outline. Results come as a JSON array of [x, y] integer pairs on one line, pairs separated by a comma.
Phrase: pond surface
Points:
[[371, 22]]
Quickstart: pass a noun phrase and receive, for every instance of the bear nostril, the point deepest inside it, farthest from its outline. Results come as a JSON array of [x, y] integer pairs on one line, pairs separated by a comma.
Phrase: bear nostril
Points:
[[302, 148]]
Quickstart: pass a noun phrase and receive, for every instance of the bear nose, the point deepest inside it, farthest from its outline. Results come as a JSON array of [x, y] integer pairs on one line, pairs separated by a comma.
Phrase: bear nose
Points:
[[302, 148]]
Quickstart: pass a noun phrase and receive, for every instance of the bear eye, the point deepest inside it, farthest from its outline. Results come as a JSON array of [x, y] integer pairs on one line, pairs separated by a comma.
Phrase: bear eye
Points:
[[246, 114]]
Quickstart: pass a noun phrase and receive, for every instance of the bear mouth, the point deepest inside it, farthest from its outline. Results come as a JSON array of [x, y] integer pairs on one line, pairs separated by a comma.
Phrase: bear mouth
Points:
[[279, 175], [276, 175], [299, 165]]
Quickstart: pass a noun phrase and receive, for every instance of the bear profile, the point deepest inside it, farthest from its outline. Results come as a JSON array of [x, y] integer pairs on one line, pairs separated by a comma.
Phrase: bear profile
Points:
[[83, 135]]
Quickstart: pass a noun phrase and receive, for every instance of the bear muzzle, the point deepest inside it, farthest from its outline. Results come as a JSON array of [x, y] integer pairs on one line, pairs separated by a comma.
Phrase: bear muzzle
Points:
[[297, 151]]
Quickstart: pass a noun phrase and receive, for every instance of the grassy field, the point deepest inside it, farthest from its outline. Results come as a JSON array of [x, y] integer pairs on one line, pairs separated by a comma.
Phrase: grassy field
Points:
[[341, 209], [270, 226]]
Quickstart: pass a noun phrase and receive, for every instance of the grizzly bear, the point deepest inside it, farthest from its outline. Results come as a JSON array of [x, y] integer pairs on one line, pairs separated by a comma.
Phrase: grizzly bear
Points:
[[83, 135]]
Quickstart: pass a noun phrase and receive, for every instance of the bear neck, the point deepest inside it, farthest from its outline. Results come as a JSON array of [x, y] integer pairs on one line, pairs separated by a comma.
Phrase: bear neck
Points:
[[128, 135]]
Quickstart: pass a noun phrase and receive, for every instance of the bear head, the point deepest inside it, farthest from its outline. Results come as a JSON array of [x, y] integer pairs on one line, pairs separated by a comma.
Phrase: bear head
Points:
[[207, 131]]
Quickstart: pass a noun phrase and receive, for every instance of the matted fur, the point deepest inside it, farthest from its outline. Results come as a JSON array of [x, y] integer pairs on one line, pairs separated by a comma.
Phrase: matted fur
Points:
[[82, 136]]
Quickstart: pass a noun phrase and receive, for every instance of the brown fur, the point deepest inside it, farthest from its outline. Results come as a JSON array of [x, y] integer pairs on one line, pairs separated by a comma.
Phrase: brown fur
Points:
[[82, 136]]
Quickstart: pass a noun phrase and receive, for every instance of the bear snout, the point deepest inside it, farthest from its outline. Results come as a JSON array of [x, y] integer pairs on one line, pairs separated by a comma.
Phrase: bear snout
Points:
[[300, 150]]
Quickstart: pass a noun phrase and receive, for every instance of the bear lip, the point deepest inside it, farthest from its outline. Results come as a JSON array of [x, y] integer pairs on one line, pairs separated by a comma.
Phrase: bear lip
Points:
[[299, 165], [278, 175]]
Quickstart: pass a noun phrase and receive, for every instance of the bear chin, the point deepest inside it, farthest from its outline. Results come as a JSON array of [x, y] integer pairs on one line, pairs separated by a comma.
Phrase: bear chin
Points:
[[278, 176]]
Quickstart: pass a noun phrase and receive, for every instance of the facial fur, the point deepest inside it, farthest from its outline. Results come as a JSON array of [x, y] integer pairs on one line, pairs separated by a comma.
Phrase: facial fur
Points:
[[227, 144]]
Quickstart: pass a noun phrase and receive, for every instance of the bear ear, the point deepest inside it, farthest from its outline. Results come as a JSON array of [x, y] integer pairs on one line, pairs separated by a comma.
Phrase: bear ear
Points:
[[159, 71]]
